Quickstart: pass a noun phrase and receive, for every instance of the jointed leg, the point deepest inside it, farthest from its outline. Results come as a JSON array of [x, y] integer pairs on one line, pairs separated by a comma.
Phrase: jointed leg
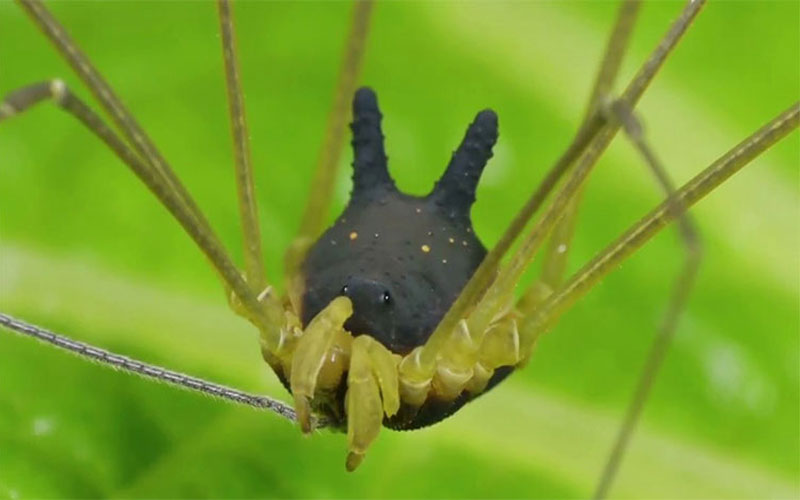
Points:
[[590, 128], [690, 193], [22, 99], [499, 296], [607, 260], [449, 357], [555, 254], [677, 302], [510, 275], [248, 207], [109, 102], [147, 370], [149, 166], [322, 184]]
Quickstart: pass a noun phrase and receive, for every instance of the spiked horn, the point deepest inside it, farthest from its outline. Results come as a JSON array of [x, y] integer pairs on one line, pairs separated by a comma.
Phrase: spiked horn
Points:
[[370, 172], [455, 190]]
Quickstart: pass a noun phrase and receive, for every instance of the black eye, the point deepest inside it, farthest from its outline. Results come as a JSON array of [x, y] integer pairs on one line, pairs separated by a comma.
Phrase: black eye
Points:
[[387, 299], [344, 290]]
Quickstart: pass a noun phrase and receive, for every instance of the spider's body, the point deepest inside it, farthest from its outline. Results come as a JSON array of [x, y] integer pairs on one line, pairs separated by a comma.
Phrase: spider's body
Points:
[[402, 260]]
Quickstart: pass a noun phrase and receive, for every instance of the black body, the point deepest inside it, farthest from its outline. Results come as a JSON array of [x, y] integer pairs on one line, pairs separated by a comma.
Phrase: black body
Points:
[[401, 259]]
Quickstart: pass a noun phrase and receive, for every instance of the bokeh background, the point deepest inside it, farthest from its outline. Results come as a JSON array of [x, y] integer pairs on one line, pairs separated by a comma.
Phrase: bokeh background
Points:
[[85, 250]]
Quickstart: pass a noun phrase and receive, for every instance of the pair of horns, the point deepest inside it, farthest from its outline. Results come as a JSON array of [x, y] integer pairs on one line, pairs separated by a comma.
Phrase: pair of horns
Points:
[[455, 190]]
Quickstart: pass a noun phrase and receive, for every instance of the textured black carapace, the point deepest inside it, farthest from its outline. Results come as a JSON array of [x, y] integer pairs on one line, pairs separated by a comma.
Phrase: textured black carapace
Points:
[[401, 259]]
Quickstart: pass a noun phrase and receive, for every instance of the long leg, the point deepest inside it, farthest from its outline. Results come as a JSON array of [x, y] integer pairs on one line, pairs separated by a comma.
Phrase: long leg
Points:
[[509, 276], [647, 227], [500, 293], [109, 101], [589, 130], [607, 260], [322, 184], [266, 315], [248, 207], [680, 293], [555, 254], [22, 99], [147, 370]]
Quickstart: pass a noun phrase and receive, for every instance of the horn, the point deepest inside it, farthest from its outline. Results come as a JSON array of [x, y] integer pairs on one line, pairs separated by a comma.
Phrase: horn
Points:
[[370, 170], [455, 190]]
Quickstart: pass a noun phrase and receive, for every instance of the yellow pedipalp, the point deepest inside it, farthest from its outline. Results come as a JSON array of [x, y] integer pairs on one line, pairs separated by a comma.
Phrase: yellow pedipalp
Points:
[[384, 366], [311, 352], [336, 362], [362, 402]]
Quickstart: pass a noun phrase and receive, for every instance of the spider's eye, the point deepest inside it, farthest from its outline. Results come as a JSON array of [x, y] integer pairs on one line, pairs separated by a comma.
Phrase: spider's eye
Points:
[[387, 299], [344, 290]]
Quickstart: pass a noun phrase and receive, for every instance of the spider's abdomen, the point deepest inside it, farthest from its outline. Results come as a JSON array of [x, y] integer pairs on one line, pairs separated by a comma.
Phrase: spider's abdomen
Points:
[[402, 260]]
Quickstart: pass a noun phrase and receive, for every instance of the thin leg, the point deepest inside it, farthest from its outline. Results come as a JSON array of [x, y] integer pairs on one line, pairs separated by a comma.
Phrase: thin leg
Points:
[[266, 314], [486, 272], [647, 227], [615, 52], [322, 184], [677, 302], [248, 207], [147, 370], [557, 251], [500, 293], [110, 102], [592, 126], [22, 99]]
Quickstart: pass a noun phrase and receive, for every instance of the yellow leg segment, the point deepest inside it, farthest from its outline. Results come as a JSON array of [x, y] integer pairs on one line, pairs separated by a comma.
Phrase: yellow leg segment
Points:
[[312, 351], [373, 373], [500, 347], [466, 360], [527, 305], [454, 365], [486, 340]]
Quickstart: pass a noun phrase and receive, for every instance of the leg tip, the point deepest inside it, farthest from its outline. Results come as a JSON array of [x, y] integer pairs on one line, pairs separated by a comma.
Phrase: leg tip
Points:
[[354, 459], [6, 111], [303, 410]]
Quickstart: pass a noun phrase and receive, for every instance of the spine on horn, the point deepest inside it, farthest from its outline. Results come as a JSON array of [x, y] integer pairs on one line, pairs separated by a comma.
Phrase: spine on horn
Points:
[[370, 171], [455, 190]]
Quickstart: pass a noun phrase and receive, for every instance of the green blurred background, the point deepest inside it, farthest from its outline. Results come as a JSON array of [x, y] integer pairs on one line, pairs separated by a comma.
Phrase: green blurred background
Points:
[[85, 250]]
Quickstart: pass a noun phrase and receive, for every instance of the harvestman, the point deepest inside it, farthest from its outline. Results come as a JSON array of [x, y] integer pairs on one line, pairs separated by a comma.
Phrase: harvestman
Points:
[[486, 328]]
